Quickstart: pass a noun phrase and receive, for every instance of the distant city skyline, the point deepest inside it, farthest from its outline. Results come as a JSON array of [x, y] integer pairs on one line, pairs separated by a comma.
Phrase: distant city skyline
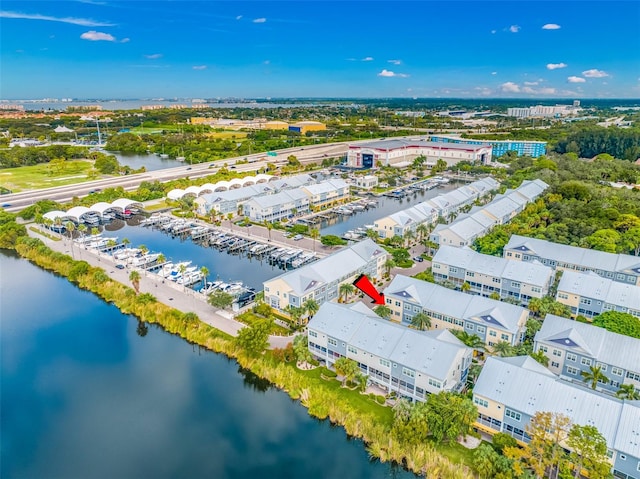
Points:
[[455, 49]]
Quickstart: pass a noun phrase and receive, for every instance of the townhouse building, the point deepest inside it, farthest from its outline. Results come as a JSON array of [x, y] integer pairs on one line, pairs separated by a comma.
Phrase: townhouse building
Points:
[[510, 391], [623, 268], [410, 362], [573, 347], [589, 295], [327, 192], [490, 274], [428, 212], [491, 320], [320, 280], [276, 207]]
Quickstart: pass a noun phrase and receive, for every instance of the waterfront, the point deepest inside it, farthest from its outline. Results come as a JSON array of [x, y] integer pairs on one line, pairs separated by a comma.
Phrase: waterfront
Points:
[[86, 393], [150, 161], [386, 206]]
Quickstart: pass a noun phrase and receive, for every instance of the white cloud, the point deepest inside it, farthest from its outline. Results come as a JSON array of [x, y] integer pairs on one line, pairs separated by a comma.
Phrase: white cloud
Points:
[[266, 62], [238, 17], [390, 74], [199, 67], [531, 83], [555, 66], [510, 87], [494, 73], [575, 79], [395, 62], [551, 26], [493, 31], [514, 28], [547, 91], [84, 22], [94, 36], [259, 20], [593, 73], [367, 59], [154, 56], [528, 89], [125, 40]]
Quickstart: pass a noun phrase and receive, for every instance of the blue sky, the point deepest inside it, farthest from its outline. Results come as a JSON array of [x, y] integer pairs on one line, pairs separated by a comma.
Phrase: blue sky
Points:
[[466, 49]]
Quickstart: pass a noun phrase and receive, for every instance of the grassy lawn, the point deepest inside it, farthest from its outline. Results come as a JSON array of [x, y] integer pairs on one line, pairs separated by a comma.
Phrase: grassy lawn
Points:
[[358, 401], [43, 176], [456, 452], [160, 205], [238, 135]]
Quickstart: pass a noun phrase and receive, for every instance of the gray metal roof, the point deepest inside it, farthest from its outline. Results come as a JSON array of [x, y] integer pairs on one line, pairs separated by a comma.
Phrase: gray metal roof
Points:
[[587, 258], [331, 268], [277, 199], [456, 304], [607, 347], [465, 258], [326, 187], [292, 181], [430, 352], [527, 386], [400, 144], [590, 285], [628, 435]]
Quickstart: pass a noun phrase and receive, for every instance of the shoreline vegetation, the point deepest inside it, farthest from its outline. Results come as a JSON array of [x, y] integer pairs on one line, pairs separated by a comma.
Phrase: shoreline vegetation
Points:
[[324, 399]]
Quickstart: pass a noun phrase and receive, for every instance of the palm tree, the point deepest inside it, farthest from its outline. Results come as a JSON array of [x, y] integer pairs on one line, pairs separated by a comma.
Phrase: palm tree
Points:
[[466, 287], [593, 376], [372, 234], [408, 236], [383, 311], [421, 321], [345, 290], [95, 231], [182, 269], [503, 349], [70, 226], [125, 242], [388, 265], [229, 216], [205, 272], [422, 230], [161, 259], [269, 227], [469, 340], [629, 392], [315, 234], [134, 277], [82, 229], [311, 306], [295, 313], [143, 249]]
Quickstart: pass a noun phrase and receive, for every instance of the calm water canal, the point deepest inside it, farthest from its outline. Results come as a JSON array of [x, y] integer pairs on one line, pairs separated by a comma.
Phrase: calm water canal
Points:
[[85, 394], [150, 162]]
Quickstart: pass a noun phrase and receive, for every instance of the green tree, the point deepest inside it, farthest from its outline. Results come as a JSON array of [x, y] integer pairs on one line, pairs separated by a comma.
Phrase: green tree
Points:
[[631, 240], [485, 459], [203, 270], [254, 339], [466, 287], [311, 307], [134, 277], [301, 349], [470, 340], [617, 322], [315, 234], [503, 349], [449, 416], [410, 422], [604, 240], [502, 440], [628, 392], [593, 376], [220, 299], [383, 311], [388, 265], [540, 357], [345, 290], [347, 368], [421, 321], [295, 312], [588, 452]]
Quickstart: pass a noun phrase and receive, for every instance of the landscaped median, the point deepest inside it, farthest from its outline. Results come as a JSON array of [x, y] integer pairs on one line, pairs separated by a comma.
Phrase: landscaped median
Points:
[[317, 389]]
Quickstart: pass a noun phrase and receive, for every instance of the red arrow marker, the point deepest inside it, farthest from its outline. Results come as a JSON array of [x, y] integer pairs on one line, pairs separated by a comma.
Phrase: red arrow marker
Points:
[[364, 285]]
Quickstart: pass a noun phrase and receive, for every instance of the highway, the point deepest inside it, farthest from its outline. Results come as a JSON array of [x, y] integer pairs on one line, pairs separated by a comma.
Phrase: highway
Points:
[[62, 194]]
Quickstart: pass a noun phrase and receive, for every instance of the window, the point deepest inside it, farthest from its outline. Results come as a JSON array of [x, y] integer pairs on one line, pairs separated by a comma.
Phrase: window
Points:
[[397, 303], [585, 301], [573, 371], [409, 372], [602, 366], [385, 362], [497, 280], [563, 296], [313, 334], [555, 365], [453, 270], [469, 326], [616, 371], [480, 402], [434, 383], [352, 350], [544, 349], [512, 414], [623, 457], [634, 376], [585, 362], [492, 333], [535, 289], [480, 329], [332, 342], [572, 357], [515, 284], [504, 337], [557, 352]]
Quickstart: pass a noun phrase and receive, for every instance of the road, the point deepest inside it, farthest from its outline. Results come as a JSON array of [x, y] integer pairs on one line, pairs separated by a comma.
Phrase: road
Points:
[[61, 194]]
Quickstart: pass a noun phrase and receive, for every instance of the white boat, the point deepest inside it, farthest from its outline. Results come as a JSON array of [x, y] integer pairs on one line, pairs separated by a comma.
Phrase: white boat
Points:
[[145, 260], [126, 253]]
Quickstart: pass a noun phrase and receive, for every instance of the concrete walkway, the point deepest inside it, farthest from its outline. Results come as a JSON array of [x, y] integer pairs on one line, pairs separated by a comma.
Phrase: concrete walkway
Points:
[[167, 292]]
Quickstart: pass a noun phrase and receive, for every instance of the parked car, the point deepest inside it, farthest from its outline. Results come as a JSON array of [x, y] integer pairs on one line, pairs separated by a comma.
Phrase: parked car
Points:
[[120, 266], [419, 259], [297, 237]]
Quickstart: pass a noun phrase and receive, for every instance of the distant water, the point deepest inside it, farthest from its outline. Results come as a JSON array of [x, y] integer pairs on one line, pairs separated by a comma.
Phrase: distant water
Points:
[[150, 161], [89, 393]]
